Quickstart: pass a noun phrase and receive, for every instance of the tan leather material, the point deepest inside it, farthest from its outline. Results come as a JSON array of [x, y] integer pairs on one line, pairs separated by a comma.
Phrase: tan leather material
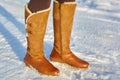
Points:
[[41, 65], [35, 29], [62, 1], [63, 21], [56, 23]]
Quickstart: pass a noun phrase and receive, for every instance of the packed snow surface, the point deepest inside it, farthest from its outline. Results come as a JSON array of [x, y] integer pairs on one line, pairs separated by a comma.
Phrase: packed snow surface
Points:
[[95, 38]]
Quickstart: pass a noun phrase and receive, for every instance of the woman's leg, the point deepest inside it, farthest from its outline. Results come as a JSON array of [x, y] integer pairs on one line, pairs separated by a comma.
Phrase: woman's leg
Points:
[[37, 5], [63, 18], [62, 1], [36, 24]]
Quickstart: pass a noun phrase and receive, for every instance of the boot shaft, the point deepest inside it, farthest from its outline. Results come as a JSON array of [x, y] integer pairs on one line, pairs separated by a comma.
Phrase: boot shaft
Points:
[[35, 30], [63, 21]]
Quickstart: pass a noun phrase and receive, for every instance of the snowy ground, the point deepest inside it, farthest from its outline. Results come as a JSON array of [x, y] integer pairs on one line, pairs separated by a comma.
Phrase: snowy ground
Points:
[[95, 38]]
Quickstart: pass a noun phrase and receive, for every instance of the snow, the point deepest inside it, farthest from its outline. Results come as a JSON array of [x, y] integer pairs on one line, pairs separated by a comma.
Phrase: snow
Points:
[[95, 38]]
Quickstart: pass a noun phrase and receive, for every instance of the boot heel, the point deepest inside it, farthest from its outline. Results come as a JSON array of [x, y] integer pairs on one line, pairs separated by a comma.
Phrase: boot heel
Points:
[[52, 59], [56, 60], [27, 65]]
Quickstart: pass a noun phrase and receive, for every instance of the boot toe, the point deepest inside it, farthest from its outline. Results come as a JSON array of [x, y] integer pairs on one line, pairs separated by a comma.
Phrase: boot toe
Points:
[[56, 72], [86, 65], [74, 61]]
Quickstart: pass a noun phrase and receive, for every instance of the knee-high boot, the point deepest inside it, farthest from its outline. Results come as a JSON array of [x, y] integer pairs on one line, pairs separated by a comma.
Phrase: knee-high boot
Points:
[[63, 15], [35, 29]]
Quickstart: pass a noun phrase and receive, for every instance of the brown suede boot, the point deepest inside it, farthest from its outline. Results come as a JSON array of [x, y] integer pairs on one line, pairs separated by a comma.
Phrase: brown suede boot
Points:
[[63, 20], [35, 28]]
